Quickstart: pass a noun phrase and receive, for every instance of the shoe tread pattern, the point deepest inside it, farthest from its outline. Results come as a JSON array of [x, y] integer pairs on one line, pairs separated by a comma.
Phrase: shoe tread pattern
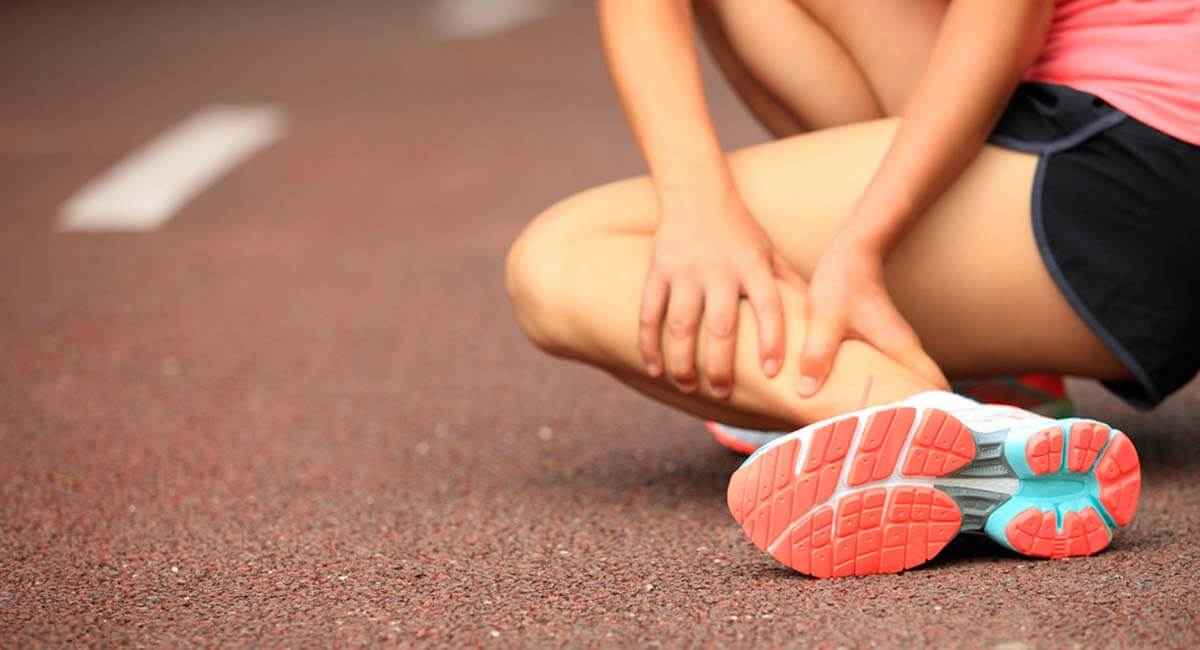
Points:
[[795, 511]]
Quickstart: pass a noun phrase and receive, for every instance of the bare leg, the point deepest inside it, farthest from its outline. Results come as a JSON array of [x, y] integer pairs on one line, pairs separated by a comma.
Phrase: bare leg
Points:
[[968, 276], [791, 73], [803, 65]]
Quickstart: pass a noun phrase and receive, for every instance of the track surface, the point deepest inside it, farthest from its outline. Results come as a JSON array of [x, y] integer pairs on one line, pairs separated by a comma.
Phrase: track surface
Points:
[[301, 413]]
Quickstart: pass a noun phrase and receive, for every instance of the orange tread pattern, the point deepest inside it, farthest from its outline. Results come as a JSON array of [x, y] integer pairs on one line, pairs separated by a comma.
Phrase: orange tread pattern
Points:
[[1043, 452], [866, 537], [767, 495], [1036, 533], [879, 449], [1087, 439], [1120, 476], [782, 499], [940, 446]]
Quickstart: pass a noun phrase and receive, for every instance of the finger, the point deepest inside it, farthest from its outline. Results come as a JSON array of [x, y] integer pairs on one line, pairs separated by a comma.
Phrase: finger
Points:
[[785, 271], [826, 328], [683, 320], [654, 305], [895, 337], [763, 293], [720, 336]]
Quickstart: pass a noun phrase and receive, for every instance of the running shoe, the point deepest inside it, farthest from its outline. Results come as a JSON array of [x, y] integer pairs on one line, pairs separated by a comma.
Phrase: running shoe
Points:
[[1042, 394], [884, 489], [739, 440]]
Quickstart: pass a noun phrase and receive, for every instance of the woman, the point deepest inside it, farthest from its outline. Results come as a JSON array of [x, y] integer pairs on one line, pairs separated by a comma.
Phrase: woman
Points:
[[962, 188]]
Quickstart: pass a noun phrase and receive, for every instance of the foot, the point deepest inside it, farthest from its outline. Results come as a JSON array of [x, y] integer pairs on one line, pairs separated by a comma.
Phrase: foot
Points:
[[884, 489], [1042, 394]]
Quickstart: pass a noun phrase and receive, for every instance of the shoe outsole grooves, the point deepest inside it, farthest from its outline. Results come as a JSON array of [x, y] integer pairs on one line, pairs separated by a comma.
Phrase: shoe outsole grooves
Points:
[[785, 502], [1036, 532], [1119, 474], [845, 500], [1094, 453]]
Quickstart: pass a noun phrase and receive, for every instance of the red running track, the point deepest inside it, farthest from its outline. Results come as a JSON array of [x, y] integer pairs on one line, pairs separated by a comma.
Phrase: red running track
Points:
[[301, 414]]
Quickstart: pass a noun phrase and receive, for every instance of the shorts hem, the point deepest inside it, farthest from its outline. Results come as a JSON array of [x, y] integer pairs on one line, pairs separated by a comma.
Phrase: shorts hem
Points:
[[1114, 345]]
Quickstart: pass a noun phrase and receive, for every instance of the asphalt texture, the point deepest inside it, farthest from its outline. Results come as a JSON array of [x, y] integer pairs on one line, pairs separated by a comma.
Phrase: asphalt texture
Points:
[[301, 414]]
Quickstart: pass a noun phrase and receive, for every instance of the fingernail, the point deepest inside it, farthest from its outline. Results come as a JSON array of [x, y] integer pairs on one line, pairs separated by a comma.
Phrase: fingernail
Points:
[[720, 392], [771, 367], [806, 386], [653, 370]]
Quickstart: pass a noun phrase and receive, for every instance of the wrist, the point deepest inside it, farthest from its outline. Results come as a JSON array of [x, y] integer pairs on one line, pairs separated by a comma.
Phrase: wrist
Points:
[[711, 193], [697, 168], [875, 228], [864, 239]]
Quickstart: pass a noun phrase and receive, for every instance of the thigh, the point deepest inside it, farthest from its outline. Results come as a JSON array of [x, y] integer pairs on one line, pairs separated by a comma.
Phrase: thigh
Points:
[[889, 41], [968, 274]]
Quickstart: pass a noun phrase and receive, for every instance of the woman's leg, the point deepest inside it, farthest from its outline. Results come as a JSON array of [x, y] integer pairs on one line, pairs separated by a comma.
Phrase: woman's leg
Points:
[[801, 65], [968, 276], [805, 65]]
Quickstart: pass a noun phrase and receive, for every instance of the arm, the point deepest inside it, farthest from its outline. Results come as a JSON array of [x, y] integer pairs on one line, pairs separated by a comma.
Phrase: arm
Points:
[[980, 55], [708, 249], [981, 52], [653, 63]]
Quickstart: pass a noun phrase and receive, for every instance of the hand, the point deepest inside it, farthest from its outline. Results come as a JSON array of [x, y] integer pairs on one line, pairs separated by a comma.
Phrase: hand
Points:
[[707, 255], [848, 298]]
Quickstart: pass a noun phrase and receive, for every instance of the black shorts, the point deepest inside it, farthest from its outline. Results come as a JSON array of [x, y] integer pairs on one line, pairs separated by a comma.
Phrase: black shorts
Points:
[[1116, 214]]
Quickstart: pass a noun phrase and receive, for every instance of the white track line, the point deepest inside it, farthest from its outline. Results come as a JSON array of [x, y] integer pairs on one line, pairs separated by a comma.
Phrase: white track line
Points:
[[454, 19], [148, 187]]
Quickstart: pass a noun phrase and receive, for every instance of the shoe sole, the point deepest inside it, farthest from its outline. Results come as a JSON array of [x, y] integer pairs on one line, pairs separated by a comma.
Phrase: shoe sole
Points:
[[744, 442], [884, 490]]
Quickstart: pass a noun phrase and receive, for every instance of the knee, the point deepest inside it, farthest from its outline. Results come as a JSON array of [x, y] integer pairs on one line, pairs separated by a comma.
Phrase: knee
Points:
[[536, 279]]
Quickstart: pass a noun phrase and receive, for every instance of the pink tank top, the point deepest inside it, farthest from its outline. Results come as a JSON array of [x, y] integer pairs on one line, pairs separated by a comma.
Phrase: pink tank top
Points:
[[1141, 56]]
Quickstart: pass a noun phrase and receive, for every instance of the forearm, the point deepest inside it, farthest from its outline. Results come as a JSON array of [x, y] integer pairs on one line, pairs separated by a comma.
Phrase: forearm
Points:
[[980, 55], [655, 68]]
